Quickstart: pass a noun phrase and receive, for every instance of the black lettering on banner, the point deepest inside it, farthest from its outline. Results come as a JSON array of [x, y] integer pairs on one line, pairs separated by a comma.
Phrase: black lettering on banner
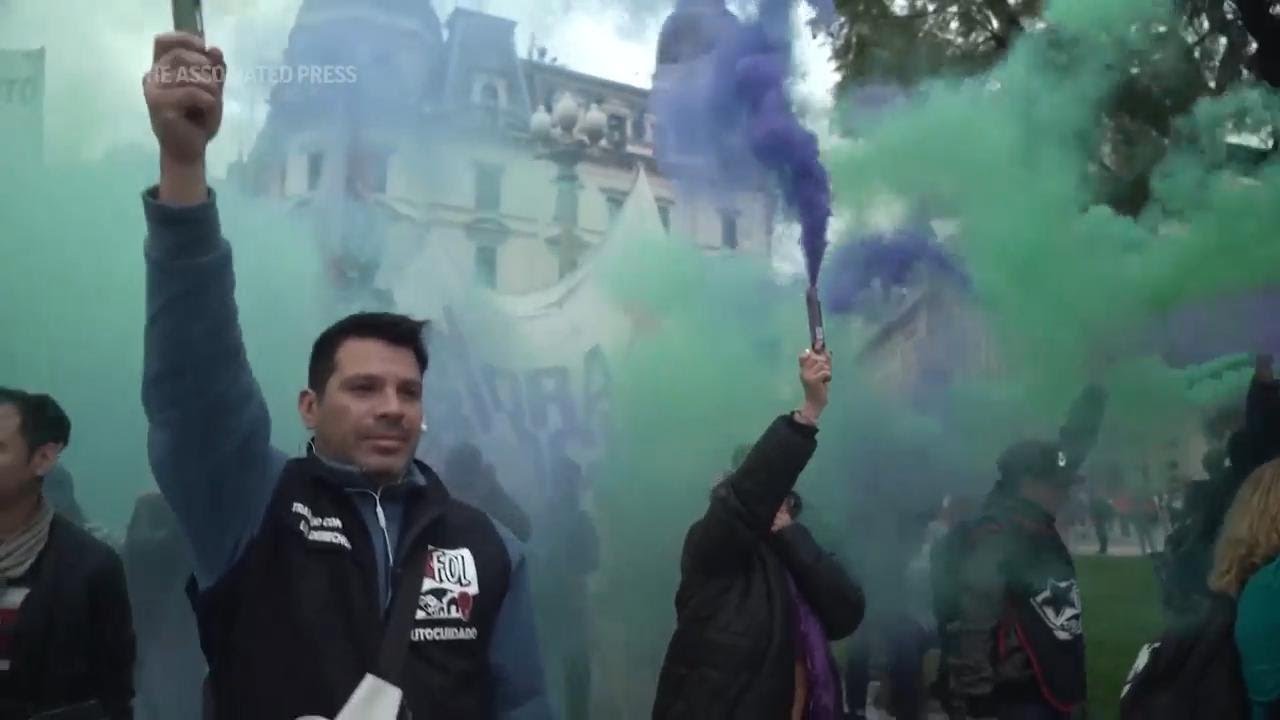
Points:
[[548, 391]]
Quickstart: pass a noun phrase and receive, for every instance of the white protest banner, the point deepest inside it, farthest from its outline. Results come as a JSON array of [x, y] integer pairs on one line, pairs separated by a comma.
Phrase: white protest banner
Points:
[[22, 100], [528, 378]]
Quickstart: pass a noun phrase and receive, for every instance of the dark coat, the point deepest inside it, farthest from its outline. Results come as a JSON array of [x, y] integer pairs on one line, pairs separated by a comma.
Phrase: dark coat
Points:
[[1017, 634], [1191, 673], [733, 653], [295, 624], [74, 640]]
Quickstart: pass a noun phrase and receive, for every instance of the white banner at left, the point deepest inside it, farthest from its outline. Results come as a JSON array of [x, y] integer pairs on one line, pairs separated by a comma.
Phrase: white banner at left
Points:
[[22, 103]]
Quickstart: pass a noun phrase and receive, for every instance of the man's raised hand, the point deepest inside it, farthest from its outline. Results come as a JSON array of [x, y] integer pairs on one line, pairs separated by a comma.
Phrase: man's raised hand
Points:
[[183, 90], [815, 377]]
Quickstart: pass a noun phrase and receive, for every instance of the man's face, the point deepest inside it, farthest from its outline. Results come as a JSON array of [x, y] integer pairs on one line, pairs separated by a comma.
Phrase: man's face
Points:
[[370, 413], [20, 469]]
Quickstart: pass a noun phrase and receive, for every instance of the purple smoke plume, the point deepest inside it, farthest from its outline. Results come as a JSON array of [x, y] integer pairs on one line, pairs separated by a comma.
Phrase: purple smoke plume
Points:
[[893, 259], [733, 107], [1200, 331]]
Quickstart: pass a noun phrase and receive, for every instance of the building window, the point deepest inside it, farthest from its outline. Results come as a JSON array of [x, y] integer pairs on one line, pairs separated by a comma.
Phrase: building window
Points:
[[487, 266], [616, 132], [367, 172], [488, 187], [664, 212], [729, 229], [638, 127], [661, 141], [315, 168], [491, 102], [615, 202]]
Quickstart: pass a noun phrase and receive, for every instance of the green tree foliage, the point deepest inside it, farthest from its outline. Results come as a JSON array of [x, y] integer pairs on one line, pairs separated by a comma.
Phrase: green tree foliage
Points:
[[1218, 45]]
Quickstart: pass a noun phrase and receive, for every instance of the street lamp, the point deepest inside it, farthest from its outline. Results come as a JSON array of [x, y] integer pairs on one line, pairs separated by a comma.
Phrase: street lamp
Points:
[[565, 137]]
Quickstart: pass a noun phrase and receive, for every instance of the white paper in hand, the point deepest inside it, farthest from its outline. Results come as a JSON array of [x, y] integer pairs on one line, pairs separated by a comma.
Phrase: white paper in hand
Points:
[[373, 699]]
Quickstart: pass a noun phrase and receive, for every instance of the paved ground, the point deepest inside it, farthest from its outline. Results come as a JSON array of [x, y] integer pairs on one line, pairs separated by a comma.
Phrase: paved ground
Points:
[[1118, 550], [1086, 543]]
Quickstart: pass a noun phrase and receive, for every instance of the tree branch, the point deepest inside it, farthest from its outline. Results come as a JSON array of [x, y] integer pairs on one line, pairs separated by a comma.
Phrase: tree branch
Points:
[[1264, 27], [919, 15]]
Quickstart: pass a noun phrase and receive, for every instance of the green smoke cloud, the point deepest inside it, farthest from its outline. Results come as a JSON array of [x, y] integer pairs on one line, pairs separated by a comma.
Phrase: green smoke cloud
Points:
[[1069, 288], [1059, 281], [74, 281]]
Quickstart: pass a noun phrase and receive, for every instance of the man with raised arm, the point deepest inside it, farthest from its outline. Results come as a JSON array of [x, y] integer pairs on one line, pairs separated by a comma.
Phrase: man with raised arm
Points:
[[301, 564]]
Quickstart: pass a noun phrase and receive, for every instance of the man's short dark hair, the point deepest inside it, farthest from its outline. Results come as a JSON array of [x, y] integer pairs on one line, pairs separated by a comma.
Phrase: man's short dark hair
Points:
[[41, 420], [393, 329]]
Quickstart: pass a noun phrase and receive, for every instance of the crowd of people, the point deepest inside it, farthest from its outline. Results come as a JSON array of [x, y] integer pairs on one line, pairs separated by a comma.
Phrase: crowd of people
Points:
[[356, 582]]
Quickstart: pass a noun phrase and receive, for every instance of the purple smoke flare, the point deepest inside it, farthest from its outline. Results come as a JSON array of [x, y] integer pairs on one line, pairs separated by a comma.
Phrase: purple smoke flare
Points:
[[893, 260], [734, 100]]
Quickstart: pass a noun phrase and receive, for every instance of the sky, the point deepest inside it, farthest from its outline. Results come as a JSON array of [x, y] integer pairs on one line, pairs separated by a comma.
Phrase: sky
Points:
[[98, 51]]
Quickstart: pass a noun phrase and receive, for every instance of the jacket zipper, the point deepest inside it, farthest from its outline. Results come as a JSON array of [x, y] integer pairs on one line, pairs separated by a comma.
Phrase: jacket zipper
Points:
[[386, 546], [408, 537]]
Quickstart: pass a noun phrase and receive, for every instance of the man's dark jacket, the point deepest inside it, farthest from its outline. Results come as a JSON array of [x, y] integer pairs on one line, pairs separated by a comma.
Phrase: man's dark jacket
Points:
[[734, 650], [73, 642], [293, 627], [1013, 633], [1188, 555], [1017, 636]]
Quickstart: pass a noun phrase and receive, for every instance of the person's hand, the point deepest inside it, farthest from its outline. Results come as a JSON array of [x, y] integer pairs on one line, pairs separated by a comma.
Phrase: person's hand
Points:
[[782, 519], [815, 377], [183, 91]]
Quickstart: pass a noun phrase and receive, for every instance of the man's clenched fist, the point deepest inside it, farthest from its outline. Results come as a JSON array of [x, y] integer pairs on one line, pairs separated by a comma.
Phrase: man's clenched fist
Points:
[[815, 377], [183, 90]]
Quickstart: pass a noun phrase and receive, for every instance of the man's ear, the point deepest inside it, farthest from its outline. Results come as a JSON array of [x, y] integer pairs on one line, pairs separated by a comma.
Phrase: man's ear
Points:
[[309, 408], [45, 458]]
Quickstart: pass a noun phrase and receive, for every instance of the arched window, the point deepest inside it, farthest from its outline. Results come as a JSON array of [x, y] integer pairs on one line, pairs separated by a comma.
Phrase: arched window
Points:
[[489, 97]]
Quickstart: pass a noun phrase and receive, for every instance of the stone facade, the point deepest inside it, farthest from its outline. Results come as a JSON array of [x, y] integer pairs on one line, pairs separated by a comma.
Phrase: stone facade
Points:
[[430, 146]]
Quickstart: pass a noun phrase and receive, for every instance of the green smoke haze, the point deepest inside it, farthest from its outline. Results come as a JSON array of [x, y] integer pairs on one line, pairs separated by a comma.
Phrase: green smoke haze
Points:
[[1066, 289]]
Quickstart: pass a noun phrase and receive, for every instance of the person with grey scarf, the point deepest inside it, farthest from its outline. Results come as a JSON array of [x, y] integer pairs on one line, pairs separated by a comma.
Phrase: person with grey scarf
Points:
[[66, 632]]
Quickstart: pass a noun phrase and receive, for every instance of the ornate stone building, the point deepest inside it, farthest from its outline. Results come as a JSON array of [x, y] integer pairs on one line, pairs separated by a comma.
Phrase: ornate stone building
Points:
[[510, 170]]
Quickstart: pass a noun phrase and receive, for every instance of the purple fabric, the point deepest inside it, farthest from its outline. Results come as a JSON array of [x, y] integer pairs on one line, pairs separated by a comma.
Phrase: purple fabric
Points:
[[823, 690]]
